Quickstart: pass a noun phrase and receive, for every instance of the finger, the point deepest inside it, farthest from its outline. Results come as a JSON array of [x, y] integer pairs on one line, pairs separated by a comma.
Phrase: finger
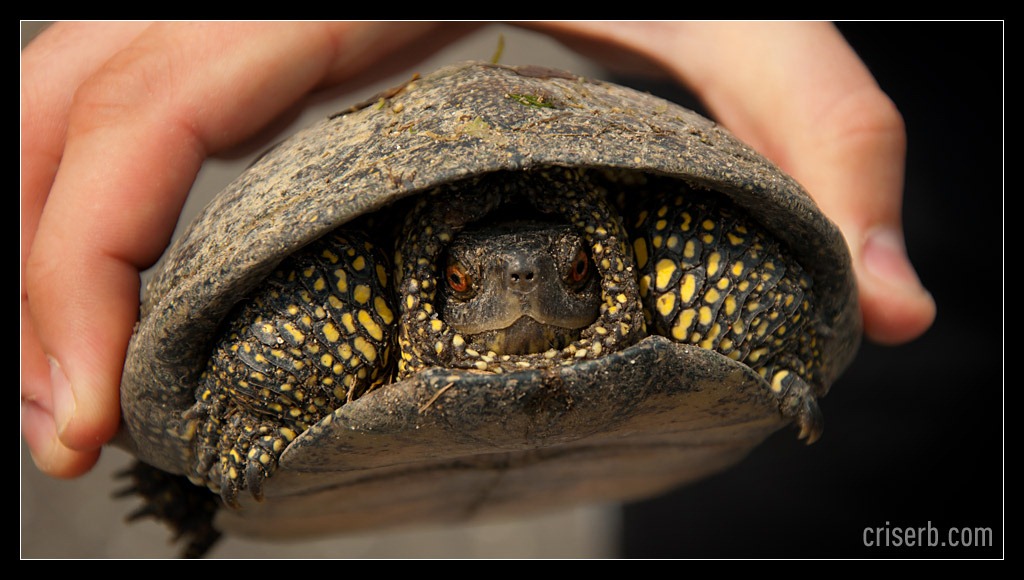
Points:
[[37, 423], [48, 453], [53, 65], [809, 103], [139, 128], [799, 94], [138, 131]]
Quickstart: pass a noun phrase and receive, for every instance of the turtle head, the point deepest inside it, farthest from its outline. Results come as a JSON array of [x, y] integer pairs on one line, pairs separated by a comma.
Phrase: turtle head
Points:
[[519, 287]]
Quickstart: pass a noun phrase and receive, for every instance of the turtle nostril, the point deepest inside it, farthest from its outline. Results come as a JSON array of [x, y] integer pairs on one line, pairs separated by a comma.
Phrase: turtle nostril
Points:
[[524, 276]]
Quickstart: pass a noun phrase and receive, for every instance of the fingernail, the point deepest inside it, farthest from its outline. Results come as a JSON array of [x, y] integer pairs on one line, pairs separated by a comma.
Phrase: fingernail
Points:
[[63, 397], [885, 258]]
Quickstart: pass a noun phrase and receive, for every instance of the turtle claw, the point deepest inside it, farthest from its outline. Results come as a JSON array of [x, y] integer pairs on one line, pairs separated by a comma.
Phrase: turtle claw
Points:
[[254, 478], [811, 421], [248, 464], [798, 402], [229, 494]]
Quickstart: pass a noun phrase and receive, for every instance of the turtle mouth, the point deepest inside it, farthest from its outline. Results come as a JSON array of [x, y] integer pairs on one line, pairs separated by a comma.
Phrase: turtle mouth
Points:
[[524, 336]]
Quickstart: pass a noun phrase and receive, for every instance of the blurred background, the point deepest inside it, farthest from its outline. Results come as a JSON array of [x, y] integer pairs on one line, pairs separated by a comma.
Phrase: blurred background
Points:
[[914, 435]]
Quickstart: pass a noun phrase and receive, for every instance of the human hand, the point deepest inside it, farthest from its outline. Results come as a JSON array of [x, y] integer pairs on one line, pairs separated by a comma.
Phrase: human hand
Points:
[[118, 118]]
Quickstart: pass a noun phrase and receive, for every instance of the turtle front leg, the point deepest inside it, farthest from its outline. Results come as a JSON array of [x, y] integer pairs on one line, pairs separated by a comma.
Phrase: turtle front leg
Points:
[[710, 276], [315, 336]]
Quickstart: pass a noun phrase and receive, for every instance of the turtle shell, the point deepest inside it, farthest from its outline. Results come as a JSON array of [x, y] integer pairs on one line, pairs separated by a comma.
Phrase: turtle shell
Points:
[[449, 445]]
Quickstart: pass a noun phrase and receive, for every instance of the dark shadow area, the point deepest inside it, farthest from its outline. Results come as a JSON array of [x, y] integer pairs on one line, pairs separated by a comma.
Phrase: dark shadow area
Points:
[[914, 435]]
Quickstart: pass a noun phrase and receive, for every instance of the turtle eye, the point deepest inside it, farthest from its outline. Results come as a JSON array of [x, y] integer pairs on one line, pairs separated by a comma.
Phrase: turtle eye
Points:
[[580, 267], [458, 279]]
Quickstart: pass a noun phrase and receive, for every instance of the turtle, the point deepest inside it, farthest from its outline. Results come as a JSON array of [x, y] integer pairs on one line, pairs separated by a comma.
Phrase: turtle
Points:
[[490, 289]]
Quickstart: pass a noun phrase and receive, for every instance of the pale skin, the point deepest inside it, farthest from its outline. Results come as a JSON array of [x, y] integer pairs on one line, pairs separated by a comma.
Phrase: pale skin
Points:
[[117, 118]]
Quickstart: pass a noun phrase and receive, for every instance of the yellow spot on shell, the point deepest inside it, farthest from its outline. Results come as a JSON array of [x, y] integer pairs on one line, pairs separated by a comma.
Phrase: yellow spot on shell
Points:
[[683, 324], [730, 305], [640, 251], [705, 315], [348, 323], [663, 273], [689, 249], [436, 325], [331, 332], [361, 294], [714, 262], [687, 288], [382, 276], [666, 302], [381, 306], [777, 379], [341, 281], [737, 269], [365, 348], [641, 218], [709, 338], [359, 263], [711, 296], [331, 256], [371, 326]]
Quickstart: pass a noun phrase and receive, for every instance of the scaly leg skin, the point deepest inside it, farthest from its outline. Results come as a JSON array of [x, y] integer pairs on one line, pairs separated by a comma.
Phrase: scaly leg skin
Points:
[[314, 337], [172, 499], [712, 277]]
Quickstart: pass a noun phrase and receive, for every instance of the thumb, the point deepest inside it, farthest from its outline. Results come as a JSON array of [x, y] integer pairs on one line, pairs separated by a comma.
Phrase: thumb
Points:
[[857, 179], [799, 94]]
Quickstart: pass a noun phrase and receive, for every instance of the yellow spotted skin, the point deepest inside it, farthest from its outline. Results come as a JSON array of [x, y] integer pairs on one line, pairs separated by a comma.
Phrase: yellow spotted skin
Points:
[[315, 336], [712, 277], [335, 321]]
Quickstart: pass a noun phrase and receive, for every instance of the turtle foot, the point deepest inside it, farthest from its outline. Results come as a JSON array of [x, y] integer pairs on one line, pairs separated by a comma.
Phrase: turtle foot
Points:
[[249, 459], [187, 509]]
